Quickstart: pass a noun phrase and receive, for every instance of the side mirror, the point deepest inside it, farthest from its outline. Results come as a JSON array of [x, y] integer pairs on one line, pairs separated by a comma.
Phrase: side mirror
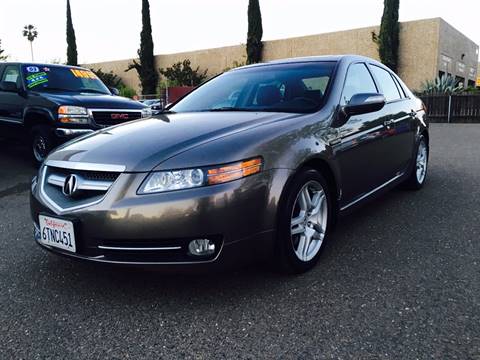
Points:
[[364, 103], [114, 91], [9, 86]]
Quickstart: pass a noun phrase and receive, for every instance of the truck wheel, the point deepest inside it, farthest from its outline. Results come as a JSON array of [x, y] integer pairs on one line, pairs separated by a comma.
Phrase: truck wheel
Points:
[[41, 142]]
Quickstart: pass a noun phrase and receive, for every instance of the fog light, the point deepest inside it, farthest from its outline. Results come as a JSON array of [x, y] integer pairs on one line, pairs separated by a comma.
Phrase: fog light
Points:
[[201, 247]]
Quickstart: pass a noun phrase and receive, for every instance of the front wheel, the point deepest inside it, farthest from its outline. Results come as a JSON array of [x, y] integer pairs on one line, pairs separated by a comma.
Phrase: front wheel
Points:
[[304, 221], [41, 142], [418, 175]]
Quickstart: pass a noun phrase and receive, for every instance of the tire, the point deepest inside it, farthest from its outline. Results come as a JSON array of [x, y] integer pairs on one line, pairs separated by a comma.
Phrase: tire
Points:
[[418, 174], [303, 225], [41, 143]]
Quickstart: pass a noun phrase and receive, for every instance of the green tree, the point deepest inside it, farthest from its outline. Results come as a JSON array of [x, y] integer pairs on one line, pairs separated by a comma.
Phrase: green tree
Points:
[[389, 38], [109, 78], [31, 33], [72, 57], [255, 33], [182, 74], [146, 66], [2, 57]]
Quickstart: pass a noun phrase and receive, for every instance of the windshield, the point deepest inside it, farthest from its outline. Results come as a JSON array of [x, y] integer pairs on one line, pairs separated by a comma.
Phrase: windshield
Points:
[[296, 87], [59, 78]]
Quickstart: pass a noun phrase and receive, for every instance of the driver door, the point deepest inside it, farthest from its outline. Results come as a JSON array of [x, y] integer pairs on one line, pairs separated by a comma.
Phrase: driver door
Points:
[[361, 146]]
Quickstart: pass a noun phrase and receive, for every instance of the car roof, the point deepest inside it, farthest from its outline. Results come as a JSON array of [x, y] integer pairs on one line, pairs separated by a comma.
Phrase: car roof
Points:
[[39, 64], [306, 59]]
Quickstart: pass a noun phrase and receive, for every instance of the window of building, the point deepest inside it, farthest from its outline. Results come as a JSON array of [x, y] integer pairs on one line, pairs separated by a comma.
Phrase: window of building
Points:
[[460, 80], [385, 80]]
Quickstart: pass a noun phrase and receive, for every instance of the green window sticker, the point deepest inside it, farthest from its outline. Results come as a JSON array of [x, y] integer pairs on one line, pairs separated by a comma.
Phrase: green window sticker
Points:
[[37, 79]]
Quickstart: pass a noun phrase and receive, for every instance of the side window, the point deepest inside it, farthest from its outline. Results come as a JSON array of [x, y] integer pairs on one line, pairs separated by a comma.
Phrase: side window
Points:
[[400, 87], [358, 81], [389, 89], [11, 74]]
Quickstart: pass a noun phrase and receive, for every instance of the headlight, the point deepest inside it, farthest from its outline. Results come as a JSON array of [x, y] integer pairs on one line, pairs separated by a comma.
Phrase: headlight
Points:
[[73, 115], [163, 181], [146, 112]]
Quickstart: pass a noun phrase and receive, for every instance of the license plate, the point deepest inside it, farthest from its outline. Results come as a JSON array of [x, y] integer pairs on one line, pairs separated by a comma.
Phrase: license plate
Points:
[[57, 233]]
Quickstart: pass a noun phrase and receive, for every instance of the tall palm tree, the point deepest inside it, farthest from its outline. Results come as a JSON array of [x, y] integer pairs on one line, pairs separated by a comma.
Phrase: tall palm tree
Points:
[[31, 33]]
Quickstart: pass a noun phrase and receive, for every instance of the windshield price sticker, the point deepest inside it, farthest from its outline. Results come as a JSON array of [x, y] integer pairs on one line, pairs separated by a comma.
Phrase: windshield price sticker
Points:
[[83, 74], [36, 79]]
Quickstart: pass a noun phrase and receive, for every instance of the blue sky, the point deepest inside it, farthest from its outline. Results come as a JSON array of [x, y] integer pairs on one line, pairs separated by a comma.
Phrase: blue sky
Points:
[[109, 29]]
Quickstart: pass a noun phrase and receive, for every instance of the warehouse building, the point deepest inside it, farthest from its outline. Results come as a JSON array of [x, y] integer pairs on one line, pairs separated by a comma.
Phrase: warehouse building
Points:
[[428, 48]]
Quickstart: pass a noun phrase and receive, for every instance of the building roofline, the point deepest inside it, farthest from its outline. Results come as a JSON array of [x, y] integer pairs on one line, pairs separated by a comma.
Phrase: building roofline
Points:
[[265, 41]]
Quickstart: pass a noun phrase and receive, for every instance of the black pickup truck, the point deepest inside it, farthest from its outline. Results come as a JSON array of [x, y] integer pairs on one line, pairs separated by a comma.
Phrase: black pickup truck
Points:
[[46, 105]]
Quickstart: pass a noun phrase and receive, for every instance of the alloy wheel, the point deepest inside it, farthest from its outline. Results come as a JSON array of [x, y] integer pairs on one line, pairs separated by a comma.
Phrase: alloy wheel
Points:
[[309, 221], [422, 161]]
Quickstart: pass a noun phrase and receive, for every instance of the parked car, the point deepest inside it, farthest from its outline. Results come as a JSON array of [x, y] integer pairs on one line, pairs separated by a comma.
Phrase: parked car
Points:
[[45, 104], [149, 102], [157, 107], [293, 144]]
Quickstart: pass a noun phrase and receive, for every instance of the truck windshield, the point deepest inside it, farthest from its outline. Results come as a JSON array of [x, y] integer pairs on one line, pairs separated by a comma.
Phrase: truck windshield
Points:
[[294, 87], [60, 78]]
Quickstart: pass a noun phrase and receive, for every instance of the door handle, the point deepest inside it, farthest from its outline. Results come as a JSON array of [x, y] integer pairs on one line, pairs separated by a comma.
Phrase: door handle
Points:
[[388, 123]]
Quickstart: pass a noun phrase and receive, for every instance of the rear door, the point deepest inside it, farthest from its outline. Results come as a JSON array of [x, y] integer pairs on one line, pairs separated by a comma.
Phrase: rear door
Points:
[[399, 133], [11, 103], [362, 147]]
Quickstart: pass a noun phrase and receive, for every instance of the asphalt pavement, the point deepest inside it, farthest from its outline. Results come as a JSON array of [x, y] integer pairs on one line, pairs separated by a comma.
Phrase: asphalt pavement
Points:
[[400, 279]]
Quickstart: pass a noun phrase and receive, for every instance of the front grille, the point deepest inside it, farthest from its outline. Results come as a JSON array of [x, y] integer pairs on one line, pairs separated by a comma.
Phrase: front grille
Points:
[[89, 175], [90, 187], [109, 118]]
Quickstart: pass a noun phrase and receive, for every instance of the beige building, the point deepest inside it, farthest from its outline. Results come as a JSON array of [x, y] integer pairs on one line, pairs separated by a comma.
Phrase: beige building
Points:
[[478, 75], [428, 48]]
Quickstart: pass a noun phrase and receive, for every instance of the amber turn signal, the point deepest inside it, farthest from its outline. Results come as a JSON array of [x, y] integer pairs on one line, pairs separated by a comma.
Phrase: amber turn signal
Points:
[[234, 171]]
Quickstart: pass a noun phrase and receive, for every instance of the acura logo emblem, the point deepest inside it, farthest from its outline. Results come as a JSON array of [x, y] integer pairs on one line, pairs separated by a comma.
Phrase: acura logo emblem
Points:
[[70, 185]]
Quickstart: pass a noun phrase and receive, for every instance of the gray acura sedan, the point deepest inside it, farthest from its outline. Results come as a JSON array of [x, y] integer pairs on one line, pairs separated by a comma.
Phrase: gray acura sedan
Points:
[[256, 162]]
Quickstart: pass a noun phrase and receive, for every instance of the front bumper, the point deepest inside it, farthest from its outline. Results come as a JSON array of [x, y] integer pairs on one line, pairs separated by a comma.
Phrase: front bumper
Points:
[[238, 216]]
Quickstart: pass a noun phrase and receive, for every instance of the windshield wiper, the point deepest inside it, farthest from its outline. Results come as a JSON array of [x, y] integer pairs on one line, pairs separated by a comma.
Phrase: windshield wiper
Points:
[[54, 89], [228, 108], [92, 91]]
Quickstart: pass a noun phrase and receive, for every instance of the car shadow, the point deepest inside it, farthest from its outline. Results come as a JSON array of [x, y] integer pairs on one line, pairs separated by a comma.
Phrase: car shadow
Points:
[[16, 166], [257, 279]]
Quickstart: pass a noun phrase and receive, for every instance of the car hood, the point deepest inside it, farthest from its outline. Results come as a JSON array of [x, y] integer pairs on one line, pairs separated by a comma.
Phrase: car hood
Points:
[[143, 144], [97, 101]]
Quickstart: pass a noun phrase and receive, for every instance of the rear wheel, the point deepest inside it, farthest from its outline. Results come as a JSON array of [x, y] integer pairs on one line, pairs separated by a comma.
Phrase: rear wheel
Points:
[[419, 173], [41, 143], [304, 222]]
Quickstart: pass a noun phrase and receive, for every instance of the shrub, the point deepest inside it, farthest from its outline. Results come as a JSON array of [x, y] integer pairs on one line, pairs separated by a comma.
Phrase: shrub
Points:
[[128, 92], [445, 84], [182, 74], [109, 78]]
